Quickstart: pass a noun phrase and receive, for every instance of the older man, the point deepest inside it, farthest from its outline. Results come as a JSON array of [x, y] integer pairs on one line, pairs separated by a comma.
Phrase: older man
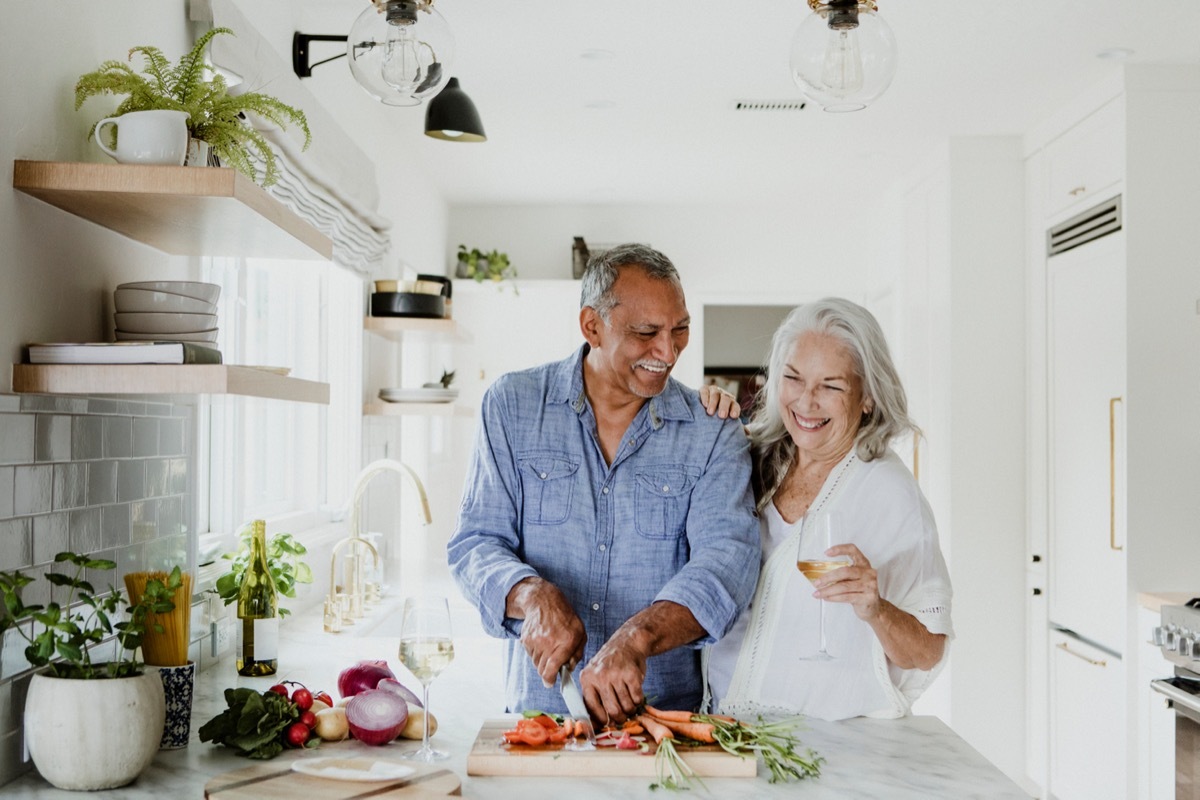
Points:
[[607, 519]]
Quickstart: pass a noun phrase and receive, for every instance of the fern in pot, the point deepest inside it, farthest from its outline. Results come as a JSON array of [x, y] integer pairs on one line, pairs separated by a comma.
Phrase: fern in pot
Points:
[[215, 117], [88, 725]]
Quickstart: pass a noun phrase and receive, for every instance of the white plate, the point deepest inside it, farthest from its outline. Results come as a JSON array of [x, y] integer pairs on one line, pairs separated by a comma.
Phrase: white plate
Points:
[[352, 769], [208, 292], [198, 336], [418, 395], [141, 300]]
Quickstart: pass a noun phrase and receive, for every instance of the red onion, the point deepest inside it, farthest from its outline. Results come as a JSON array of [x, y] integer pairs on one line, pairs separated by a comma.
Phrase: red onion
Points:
[[376, 717], [396, 687], [362, 676]]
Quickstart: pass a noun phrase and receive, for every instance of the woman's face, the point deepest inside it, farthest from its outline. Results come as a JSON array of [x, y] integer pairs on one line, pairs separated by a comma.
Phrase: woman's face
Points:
[[821, 397]]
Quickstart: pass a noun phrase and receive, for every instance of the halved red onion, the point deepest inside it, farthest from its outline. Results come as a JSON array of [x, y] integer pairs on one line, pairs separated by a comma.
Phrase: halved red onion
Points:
[[396, 687], [376, 717]]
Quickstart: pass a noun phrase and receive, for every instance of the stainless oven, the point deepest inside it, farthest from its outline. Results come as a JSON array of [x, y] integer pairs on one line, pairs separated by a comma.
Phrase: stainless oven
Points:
[[1178, 635]]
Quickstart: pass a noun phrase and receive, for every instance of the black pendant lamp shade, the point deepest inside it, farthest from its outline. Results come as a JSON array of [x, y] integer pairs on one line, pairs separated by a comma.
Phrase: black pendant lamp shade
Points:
[[451, 115]]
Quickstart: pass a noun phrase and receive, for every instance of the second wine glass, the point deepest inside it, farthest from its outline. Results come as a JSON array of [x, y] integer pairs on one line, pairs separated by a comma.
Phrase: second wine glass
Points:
[[426, 648], [817, 536]]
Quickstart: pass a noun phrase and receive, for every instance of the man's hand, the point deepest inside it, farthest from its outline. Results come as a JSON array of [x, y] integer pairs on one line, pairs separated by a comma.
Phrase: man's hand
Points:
[[552, 633]]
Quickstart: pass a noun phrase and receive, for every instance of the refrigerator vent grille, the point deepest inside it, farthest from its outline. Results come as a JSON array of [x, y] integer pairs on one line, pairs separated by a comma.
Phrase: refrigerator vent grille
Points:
[[1097, 221]]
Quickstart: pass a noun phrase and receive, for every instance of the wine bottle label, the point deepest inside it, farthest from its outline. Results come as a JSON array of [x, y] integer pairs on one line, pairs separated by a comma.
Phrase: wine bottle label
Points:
[[266, 639]]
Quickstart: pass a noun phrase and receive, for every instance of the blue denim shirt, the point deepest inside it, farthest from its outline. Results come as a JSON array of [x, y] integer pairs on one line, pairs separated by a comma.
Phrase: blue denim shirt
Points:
[[671, 519]]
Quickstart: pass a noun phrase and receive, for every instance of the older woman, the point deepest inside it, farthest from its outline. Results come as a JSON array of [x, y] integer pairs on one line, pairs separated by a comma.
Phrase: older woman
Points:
[[832, 404]]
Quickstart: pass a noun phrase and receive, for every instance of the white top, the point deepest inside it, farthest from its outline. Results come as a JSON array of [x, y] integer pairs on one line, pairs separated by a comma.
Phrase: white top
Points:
[[759, 666]]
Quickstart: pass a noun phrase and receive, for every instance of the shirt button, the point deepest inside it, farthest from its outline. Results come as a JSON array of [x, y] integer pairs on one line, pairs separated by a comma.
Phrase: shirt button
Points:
[[595, 606], [603, 547], [543, 476], [605, 490], [665, 488]]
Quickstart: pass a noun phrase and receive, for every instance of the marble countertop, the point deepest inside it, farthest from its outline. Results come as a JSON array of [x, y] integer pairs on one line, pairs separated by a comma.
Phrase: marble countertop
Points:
[[915, 757]]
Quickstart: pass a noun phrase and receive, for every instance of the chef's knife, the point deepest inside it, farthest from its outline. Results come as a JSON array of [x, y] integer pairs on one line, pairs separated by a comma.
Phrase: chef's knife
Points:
[[576, 707]]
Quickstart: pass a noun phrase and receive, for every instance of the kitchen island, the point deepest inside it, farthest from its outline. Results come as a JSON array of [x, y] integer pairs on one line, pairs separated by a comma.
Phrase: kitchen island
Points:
[[915, 757]]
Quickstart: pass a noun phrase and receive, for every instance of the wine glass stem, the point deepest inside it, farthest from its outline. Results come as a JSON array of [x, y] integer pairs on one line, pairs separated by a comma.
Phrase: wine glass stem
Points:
[[821, 626], [425, 718]]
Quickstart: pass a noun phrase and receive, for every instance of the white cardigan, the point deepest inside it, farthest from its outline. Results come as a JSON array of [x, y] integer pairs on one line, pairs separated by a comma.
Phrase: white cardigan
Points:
[[758, 667]]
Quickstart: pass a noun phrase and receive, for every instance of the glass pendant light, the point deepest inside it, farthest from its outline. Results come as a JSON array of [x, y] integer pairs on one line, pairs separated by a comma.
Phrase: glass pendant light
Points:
[[400, 53], [843, 54]]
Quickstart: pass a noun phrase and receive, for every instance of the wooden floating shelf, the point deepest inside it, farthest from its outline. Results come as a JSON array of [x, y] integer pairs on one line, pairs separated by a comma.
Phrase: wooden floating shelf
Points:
[[164, 379], [210, 211], [383, 409], [394, 328]]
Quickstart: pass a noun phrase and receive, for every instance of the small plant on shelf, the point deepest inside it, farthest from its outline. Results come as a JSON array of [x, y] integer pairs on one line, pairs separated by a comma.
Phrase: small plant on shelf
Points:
[[214, 116], [479, 265]]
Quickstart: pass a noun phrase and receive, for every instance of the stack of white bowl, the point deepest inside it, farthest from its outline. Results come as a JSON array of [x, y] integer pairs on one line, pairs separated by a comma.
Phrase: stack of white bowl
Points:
[[179, 311]]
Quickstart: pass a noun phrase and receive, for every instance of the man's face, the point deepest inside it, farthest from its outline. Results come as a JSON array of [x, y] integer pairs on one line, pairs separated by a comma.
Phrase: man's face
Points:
[[636, 349]]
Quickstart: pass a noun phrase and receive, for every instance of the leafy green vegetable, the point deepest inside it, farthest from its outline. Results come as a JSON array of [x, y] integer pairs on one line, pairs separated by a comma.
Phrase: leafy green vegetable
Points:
[[252, 724], [774, 741], [672, 771]]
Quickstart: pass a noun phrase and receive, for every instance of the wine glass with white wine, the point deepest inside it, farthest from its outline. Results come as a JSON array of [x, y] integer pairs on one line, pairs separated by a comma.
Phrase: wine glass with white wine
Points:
[[426, 648], [817, 536]]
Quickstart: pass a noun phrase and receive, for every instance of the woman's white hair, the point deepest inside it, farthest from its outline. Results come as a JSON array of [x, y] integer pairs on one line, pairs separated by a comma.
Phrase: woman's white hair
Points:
[[887, 418]]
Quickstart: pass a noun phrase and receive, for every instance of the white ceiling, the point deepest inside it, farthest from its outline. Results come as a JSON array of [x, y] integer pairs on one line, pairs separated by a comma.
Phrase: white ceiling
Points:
[[669, 133]]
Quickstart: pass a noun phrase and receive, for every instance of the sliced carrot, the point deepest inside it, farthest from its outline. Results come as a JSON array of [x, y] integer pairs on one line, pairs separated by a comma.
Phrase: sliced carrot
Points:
[[632, 727], [655, 729]]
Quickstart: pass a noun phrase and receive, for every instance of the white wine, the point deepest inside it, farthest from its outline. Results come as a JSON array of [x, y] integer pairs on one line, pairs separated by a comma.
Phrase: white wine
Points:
[[426, 658], [258, 629], [815, 569]]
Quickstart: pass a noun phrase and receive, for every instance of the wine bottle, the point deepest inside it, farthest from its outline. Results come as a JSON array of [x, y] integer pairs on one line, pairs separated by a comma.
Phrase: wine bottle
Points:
[[258, 633]]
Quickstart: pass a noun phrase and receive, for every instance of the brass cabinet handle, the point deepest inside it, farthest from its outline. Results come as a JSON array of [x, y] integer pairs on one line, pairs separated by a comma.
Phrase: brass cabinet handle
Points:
[[1078, 190], [1094, 662], [1112, 473]]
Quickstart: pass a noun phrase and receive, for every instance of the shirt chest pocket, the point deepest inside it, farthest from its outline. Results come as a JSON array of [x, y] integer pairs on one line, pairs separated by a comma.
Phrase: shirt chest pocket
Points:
[[663, 497], [548, 480]]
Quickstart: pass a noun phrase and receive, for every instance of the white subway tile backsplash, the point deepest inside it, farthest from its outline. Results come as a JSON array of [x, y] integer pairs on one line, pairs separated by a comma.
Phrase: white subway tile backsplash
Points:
[[33, 489], [16, 543], [145, 437], [170, 436], [170, 516], [10, 402], [177, 480], [16, 438], [85, 530], [87, 438], [156, 477], [114, 526], [102, 483], [70, 486], [118, 437], [12, 704], [51, 536], [131, 480], [7, 475], [52, 440]]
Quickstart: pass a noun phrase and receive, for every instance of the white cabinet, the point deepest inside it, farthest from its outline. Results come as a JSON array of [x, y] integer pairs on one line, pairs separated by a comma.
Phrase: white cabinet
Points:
[[1087, 721], [1087, 161], [1086, 302]]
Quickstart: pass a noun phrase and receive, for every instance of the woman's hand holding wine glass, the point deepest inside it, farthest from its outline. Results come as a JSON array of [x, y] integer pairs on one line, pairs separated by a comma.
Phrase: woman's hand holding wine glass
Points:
[[426, 648], [812, 559]]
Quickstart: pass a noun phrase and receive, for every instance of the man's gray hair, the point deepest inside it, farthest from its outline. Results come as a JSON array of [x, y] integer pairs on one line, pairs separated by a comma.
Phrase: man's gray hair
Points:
[[858, 329], [603, 268]]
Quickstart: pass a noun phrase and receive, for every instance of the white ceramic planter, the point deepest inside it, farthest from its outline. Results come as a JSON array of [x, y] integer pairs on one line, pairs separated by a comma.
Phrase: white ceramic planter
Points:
[[93, 734]]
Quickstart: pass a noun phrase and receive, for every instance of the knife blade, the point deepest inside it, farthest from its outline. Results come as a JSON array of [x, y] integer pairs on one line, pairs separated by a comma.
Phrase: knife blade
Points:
[[577, 708]]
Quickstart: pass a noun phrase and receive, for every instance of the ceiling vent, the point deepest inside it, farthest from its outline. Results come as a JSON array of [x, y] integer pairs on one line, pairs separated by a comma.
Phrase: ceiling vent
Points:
[[1097, 221], [768, 105]]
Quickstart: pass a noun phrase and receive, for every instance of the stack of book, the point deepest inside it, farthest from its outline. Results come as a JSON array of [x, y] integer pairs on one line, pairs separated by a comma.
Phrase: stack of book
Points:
[[123, 353]]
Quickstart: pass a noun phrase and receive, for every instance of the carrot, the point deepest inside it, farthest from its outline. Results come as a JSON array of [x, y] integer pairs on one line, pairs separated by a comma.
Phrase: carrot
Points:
[[632, 727], [655, 728], [673, 716], [697, 731]]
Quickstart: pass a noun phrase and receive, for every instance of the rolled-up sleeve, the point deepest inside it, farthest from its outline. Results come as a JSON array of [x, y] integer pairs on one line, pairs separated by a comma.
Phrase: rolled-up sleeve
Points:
[[718, 581], [483, 553]]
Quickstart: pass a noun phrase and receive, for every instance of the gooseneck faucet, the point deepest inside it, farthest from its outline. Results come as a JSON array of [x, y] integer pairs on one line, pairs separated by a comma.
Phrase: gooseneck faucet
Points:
[[335, 615]]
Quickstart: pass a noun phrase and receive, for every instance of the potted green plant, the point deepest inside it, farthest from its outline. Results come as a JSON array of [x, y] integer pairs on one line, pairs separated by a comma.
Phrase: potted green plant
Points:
[[214, 116], [492, 265], [73, 697], [283, 560]]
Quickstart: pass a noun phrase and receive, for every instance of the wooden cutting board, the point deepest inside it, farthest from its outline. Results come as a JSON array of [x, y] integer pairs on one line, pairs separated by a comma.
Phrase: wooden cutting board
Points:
[[278, 781], [491, 755]]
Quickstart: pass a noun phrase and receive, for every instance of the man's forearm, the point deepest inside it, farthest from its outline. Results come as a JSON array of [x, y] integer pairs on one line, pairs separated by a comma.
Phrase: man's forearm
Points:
[[659, 627]]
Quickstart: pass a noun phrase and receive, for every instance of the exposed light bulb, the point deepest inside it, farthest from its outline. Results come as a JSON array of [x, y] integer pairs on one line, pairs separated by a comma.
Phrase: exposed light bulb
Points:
[[401, 65], [842, 72]]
